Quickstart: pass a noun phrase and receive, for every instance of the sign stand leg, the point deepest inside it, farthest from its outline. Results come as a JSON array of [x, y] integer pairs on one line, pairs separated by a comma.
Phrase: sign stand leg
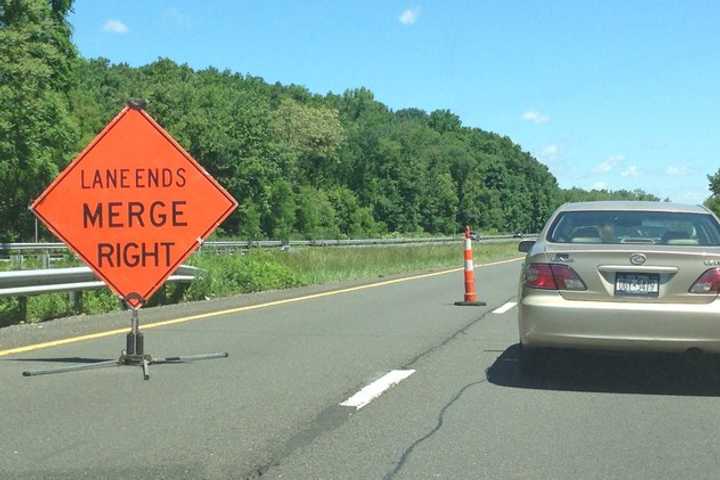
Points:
[[133, 355]]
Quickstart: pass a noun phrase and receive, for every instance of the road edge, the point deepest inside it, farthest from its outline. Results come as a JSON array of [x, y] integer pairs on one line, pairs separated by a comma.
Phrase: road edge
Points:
[[220, 311]]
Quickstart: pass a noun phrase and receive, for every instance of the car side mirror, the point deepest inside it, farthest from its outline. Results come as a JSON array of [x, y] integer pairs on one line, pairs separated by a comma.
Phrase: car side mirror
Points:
[[525, 245]]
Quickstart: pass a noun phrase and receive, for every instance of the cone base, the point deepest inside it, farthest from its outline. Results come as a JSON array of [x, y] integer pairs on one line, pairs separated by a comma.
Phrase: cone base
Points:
[[470, 304]]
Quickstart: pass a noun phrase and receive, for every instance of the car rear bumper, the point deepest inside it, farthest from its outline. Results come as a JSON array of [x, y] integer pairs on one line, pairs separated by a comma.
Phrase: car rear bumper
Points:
[[548, 320]]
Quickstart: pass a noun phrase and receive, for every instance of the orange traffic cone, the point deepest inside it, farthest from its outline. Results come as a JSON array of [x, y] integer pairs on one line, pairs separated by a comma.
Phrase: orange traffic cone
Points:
[[471, 299]]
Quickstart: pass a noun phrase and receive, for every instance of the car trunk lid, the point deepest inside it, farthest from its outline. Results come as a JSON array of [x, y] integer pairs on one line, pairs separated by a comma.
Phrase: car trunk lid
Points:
[[635, 273]]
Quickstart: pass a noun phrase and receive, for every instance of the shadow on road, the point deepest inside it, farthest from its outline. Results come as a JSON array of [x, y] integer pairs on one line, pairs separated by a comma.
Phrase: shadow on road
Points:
[[582, 371]]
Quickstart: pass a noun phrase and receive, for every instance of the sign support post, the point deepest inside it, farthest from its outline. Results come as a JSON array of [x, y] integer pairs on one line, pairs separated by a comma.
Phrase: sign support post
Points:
[[133, 206], [134, 355]]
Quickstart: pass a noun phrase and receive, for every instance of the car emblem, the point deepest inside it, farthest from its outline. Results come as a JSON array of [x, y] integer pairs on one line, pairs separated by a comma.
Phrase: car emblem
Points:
[[637, 258]]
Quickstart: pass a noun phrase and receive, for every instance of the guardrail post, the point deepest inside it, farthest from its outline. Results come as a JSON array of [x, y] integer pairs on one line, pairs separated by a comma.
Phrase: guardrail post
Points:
[[76, 298], [22, 308], [46, 259], [178, 292], [158, 298]]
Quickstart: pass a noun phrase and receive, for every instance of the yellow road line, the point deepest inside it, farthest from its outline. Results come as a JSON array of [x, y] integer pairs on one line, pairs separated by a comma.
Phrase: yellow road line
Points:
[[203, 316]]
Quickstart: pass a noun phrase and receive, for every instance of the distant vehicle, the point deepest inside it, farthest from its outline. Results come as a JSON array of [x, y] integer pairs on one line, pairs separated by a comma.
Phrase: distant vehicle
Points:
[[621, 276]]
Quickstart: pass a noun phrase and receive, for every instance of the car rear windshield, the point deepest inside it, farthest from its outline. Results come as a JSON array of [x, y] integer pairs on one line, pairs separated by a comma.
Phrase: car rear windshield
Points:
[[643, 227]]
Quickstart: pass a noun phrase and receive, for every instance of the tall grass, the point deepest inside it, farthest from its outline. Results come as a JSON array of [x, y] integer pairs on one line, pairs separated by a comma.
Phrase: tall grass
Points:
[[264, 270]]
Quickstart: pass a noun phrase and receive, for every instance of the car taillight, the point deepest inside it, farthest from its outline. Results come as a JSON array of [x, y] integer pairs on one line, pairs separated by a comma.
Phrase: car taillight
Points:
[[708, 282], [539, 275], [550, 276], [566, 278]]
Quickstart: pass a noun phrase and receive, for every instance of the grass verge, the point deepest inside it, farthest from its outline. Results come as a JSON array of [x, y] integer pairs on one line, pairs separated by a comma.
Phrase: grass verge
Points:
[[259, 270]]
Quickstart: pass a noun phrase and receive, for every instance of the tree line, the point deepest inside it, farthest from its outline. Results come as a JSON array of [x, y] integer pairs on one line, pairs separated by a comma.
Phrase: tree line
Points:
[[301, 165], [713, 202]]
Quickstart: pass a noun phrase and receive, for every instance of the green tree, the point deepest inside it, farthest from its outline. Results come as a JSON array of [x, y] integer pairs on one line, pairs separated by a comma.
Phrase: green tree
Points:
[[482, 206], [298, 163], [250, 221], [316, 217], [281, 218], [713, 202], [38, 136], [714, 183], [440, 206], [310, 137], [353, 220], [444, 121]]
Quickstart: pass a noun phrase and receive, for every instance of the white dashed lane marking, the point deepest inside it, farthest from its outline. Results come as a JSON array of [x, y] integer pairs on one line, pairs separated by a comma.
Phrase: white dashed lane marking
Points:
[[370, 392], [505, 308]]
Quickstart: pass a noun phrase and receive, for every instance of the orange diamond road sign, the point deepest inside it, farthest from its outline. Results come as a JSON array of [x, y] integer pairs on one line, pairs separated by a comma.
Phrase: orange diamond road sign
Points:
[[133, 205]]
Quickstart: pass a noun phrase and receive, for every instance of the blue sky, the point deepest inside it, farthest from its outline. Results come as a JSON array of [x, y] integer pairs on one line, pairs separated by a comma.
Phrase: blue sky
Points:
[[612, 94]]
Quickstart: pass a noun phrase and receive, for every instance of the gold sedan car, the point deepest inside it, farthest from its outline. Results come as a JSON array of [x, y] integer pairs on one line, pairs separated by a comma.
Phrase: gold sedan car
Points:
[[621, 276]]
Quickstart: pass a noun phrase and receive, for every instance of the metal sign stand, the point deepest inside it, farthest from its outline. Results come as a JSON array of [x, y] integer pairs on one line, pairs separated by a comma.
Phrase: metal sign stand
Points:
[[133, 355]]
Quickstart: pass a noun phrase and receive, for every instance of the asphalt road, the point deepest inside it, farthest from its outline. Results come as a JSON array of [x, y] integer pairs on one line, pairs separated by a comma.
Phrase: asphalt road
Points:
[[272, 409]]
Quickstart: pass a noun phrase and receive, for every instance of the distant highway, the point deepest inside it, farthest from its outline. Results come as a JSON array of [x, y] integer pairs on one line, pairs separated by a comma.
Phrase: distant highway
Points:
[[388, 381]]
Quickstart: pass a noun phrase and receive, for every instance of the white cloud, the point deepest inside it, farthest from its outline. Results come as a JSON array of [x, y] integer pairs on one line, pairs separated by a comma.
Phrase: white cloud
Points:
[[549, 153], [535, 117], [599, 186], [609, 164], [409, 16], [674, 171], [630, 171], [115, 26]]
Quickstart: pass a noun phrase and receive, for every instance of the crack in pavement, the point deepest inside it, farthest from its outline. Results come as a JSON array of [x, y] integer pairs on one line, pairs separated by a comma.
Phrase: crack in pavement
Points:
[[334, 416], [462, 331], [441, 418], [326, 421]]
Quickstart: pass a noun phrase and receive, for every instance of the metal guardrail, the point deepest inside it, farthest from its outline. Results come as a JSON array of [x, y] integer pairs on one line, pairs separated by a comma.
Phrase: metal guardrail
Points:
[[25, 283], [75, 280], [234, 244], [40, 248], [31, 247]]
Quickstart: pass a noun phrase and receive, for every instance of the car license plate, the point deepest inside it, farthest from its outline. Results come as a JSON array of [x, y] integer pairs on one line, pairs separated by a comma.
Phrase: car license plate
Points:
[[637, 284]]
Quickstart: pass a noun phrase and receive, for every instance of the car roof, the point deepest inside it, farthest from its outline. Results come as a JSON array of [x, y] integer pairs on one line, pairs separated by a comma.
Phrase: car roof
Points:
[[633, 205]]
